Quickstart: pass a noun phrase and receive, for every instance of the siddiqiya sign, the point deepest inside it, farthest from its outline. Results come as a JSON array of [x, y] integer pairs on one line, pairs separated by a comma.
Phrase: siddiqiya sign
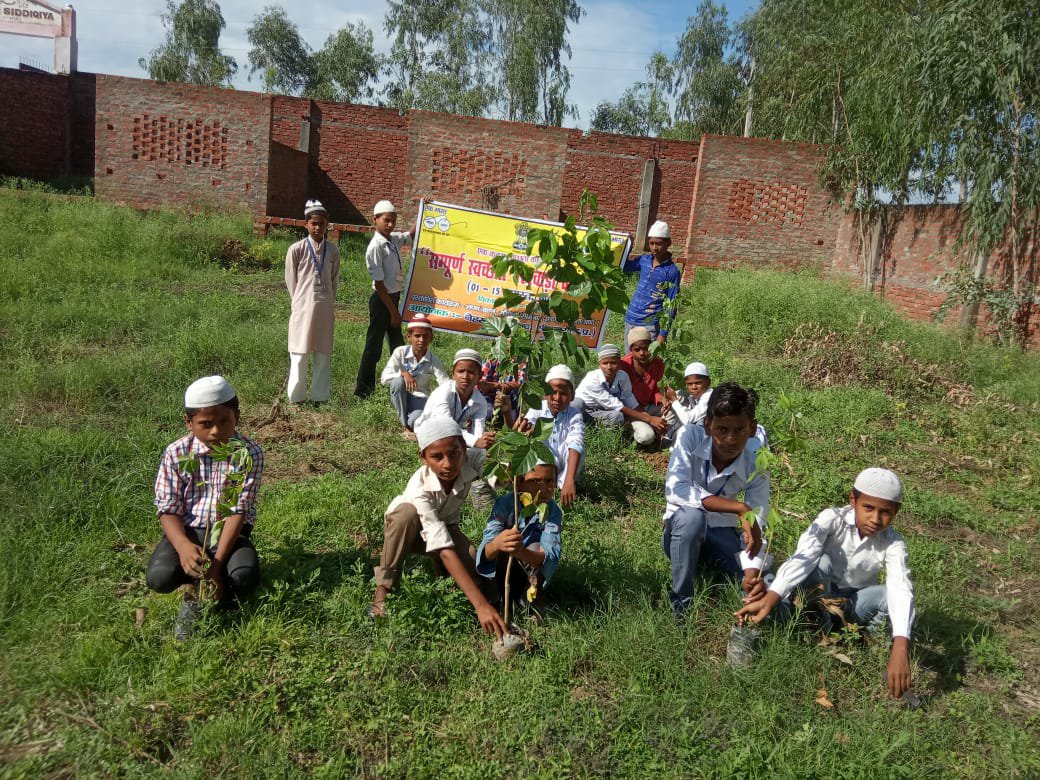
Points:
[[30, 18], [451, 280]]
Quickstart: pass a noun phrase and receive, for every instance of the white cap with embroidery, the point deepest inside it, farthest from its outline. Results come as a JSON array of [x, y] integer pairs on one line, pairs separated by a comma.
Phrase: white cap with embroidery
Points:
[[208, 391], [659, 230], [880, 483]]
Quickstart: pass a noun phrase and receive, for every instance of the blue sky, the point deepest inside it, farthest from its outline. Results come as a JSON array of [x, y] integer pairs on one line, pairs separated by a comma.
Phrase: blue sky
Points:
[[611, 44]]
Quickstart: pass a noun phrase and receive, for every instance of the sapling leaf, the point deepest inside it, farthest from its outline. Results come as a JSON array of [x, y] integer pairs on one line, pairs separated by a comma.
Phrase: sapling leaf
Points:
[[543, 452]]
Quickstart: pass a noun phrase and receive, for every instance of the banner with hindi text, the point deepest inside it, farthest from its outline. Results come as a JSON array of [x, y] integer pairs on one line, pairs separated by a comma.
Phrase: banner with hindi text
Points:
[[451, 280]]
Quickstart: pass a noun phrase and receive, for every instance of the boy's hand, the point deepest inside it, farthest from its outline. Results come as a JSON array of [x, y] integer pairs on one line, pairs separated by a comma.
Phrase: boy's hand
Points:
[[395, 318], [568, 493], [192, 559], [485, 441], [523, 425], [509, 541], [409, 381], [491, 621], [899, 667], [753, 586], [759, 610], [501, 399], [752, 533], [669, 394], [658, 424]]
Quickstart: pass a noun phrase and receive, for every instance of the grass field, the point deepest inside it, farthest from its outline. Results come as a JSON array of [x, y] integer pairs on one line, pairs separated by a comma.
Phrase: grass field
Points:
[[107, 314]]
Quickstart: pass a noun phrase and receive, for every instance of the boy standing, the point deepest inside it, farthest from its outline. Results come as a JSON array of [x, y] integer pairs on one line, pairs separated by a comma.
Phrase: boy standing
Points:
[[410, 371], [425, 518], [186, 499], [535, 542], [567, 440], [659, 280], [644, 373], [312, 278], [844, 550], [386, 269], [708, 468]]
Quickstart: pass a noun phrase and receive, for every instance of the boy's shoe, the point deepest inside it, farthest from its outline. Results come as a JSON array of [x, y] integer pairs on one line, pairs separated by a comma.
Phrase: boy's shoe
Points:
[[184, 623]]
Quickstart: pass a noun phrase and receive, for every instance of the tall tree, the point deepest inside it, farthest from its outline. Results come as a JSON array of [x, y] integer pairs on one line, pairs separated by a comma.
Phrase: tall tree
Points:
[[279, 52], [441, 55], [530, 43], [643, 108], [347, 66], [191, 52], [707, 76]]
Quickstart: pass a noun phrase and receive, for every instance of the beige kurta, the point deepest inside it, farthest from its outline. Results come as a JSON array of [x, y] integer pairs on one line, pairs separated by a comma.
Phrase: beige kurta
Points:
[[313, 318]]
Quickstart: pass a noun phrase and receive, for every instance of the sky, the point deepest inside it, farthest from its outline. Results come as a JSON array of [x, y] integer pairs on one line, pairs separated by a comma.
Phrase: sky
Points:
[[610, 45]]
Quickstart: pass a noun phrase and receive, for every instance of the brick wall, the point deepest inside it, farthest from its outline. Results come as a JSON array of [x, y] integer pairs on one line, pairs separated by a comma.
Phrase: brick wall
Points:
[[33, 126], [287, 180], [759, 202], [159, 144]]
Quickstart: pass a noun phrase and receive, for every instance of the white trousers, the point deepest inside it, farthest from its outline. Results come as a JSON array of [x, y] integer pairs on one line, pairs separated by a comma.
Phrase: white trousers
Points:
[[321, 376]]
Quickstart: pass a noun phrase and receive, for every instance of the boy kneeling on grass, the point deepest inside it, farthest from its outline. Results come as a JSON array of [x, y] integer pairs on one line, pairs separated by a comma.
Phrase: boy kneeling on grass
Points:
[[425, 518], [843, 551], [534, 542], [188, 489]]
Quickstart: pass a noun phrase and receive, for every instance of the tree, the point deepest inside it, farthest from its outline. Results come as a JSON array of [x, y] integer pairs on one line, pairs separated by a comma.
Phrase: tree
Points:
[[643, 108], [440, 59], [707, 78], [191, 51], [530, 39], [279, 52], [347, 66]]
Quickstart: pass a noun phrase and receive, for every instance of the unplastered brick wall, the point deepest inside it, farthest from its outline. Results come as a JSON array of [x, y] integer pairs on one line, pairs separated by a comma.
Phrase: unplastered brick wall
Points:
[[509, 167], [759, 202], [33, 126], [159, 144], [611, 166]]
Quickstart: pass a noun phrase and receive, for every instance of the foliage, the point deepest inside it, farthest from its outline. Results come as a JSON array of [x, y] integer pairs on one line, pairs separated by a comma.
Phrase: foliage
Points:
[[239, 257], [344, 70], [62, 185], [1003, 307], [191, 51], [643, 108]]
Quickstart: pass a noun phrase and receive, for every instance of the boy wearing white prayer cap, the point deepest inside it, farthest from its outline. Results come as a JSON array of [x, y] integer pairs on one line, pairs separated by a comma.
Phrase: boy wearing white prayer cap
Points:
[[659, 279], [844, 550], [312, 278], [605, 394], [187, 497], [567, 440], [425, 519], [410, 373], [461, 401], [386, 269]]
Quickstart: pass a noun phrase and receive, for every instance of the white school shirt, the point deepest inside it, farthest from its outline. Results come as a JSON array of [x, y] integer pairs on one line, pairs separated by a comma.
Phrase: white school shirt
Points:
[[855, 560], [691, 478], [384, 262], [445, 402], [424, 370], [568, 434], [691, 411], [595, 393], [436, 507]]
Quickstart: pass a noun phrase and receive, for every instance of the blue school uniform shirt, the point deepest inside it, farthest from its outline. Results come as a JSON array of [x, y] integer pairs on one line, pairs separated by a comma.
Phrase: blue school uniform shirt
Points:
[[545, 531], [655, 286]]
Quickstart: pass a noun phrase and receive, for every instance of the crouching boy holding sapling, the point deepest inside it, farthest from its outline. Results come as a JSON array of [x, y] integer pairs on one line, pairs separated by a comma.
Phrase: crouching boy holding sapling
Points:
[[195, 490], [534, 541], [844, 550], [704, 518], [567, 440], [425, 518]]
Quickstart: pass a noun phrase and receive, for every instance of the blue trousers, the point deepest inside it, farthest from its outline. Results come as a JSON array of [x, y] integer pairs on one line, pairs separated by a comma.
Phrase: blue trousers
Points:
[[866, 607], [687, 541]]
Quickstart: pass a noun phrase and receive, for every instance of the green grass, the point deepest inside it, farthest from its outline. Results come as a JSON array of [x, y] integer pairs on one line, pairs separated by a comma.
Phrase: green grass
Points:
[[106, 314]]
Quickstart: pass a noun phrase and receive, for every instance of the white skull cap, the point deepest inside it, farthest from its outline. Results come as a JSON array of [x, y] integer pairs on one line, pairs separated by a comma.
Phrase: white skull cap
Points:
[[659, 230], [208, 391], [880, 483], [384, 207], [560, 372], [434, 429], [314, 207], [696, 369], [467, 354]]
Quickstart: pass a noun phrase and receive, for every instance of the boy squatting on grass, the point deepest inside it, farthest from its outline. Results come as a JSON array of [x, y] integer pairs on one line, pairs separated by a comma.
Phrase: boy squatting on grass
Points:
[[312, 278], [605, 395], [708, 468], [410, 371], [386, 269], [644, 373], [535, 543], [185, 500], [425, 518], [567, 440], [844, 550]]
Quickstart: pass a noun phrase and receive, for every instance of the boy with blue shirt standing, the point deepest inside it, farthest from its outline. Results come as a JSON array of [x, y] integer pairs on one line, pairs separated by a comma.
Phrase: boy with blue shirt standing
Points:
[[386, 269], [708, 469], [659, 279]]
